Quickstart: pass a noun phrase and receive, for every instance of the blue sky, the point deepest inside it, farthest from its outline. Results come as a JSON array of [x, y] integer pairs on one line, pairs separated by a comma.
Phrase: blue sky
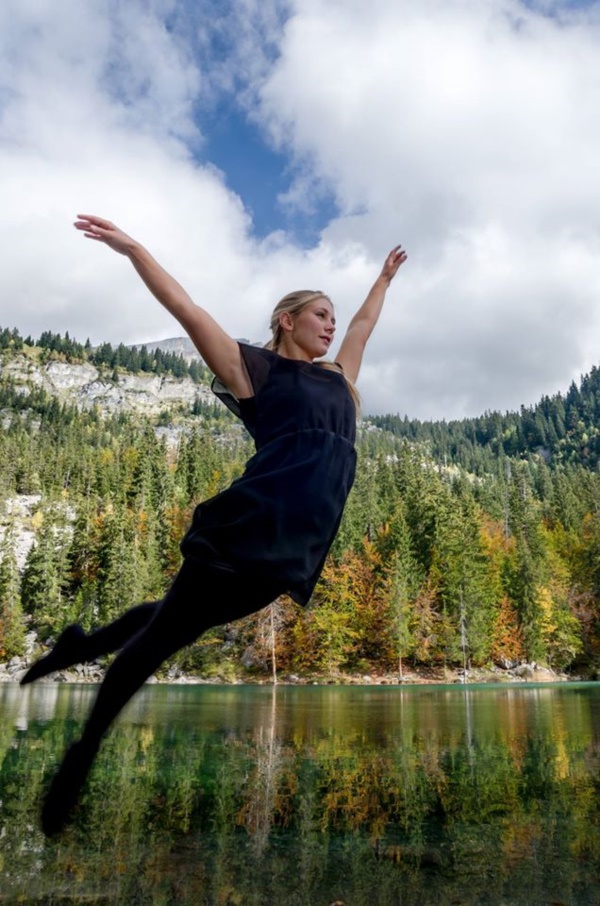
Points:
[[260, 175], [261, 146], [253, 167]]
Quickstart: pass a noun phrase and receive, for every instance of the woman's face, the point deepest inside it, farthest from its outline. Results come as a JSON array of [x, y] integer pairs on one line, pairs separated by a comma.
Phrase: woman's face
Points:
[[313, 328]]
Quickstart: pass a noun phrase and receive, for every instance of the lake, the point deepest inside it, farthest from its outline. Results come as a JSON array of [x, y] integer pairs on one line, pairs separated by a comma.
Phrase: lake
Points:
[[366, 796]]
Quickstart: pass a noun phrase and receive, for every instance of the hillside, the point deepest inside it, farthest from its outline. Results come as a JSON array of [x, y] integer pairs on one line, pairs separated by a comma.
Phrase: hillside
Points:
[[435, 564], [87, 386], [178, 346], [562, 428]]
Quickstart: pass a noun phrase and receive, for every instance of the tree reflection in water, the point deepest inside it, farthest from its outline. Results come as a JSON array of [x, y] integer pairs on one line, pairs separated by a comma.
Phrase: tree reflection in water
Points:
[[261, 795]]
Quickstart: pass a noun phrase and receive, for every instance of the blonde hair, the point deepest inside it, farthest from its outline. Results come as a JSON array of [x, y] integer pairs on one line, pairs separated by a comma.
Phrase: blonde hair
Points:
[[293, 304]]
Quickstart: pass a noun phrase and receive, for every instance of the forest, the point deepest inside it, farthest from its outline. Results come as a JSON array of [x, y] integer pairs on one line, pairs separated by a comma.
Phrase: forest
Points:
[[561, 428], [128, 358], [470, 542]]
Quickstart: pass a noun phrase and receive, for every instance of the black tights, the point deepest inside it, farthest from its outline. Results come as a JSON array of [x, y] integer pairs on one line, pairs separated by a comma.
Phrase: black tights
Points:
[[199, 599]]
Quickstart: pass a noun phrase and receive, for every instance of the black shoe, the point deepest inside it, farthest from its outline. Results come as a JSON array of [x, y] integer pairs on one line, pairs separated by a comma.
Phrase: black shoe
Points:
[[63, 795], [68, 650]]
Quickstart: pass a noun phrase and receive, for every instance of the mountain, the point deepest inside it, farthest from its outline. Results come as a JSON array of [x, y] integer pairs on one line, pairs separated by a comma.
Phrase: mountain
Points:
[[562, 428], [181, 346], [107, 451], [86, 386]]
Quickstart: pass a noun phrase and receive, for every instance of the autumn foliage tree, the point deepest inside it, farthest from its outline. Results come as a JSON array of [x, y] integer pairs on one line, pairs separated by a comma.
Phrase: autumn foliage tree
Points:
[[460, 542]]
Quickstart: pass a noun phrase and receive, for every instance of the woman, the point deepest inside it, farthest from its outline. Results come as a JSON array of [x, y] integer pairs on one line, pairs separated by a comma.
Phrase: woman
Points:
[[267, 534]]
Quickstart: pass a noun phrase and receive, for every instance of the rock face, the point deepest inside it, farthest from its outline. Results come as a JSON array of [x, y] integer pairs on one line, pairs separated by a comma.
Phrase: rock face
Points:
[[20, 510], [85, 386], [525, 671], [182, 346]]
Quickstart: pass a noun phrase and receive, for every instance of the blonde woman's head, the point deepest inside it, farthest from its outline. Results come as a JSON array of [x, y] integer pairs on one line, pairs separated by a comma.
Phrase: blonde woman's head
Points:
[[292, 305]]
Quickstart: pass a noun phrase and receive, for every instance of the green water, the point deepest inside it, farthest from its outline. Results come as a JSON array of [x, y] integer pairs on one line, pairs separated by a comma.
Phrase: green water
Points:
[[310, 795]]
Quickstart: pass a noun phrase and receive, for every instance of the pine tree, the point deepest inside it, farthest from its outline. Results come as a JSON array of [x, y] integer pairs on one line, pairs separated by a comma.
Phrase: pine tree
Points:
[[45, 576], [12, 622], [119, 566], [459, 571], [401, 580], [526, 569], [83, 565]]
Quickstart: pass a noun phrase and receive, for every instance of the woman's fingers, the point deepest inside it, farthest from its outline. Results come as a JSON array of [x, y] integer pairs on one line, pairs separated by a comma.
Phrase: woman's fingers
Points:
[[102, 230], [90, 230], [393, 261], [94, 227], [96, 221], [396, 257]]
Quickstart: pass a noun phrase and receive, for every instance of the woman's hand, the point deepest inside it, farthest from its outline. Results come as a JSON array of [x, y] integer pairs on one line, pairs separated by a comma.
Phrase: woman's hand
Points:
[[104, 231], [220, 352], [394, 260]]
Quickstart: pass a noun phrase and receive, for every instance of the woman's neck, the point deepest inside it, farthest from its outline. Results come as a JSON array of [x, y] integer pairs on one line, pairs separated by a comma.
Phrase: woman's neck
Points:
[[290, 350]]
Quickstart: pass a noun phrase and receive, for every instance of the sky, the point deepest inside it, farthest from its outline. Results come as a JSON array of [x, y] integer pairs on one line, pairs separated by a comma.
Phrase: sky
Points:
[[261, 146]]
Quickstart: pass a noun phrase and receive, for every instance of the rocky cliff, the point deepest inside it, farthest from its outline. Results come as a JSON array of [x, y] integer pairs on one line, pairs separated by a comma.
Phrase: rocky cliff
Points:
[[86, 386]]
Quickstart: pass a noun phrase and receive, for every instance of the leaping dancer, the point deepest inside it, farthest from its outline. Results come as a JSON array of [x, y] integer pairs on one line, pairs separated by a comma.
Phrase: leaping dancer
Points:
[[270, 531]]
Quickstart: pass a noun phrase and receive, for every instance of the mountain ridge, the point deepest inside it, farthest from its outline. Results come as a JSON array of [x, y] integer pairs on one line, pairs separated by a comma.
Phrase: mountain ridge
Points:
[[561, 428]]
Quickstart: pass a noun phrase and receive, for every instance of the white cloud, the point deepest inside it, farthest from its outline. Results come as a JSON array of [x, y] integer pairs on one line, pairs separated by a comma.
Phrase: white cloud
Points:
[[95, 109], [467, 131]]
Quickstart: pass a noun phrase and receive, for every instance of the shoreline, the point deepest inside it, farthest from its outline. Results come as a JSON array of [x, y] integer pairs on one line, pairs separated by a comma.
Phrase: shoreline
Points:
[[422, 676]]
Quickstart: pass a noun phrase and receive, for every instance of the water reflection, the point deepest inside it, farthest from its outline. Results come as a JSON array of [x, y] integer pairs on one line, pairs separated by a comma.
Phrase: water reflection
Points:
[[255, 795]]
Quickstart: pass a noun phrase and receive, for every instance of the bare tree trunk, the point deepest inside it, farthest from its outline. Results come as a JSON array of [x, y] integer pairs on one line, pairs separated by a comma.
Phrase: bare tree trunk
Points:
[[273, 640], [463, 636]]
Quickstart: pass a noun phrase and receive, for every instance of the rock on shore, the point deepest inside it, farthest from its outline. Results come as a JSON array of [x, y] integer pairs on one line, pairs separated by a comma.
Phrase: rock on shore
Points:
[[13, 671]]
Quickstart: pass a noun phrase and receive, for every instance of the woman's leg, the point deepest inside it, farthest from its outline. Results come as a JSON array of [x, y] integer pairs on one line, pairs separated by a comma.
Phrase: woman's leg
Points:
[[199, 599], [74, 646]]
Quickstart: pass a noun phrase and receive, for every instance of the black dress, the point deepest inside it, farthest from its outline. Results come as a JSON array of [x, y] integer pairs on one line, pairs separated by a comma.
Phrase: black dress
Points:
[[279, 519]]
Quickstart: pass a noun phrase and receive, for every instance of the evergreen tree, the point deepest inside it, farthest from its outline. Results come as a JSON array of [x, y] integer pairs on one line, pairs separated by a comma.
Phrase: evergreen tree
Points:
[[46, 575], [459, 571], [526, 570], [12, 623], [83, 565], [120, 581], [401, 579]]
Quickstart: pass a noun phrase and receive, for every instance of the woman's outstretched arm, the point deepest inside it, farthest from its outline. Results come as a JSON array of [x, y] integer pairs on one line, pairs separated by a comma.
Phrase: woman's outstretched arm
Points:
[[217, 348], [362, 324]]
